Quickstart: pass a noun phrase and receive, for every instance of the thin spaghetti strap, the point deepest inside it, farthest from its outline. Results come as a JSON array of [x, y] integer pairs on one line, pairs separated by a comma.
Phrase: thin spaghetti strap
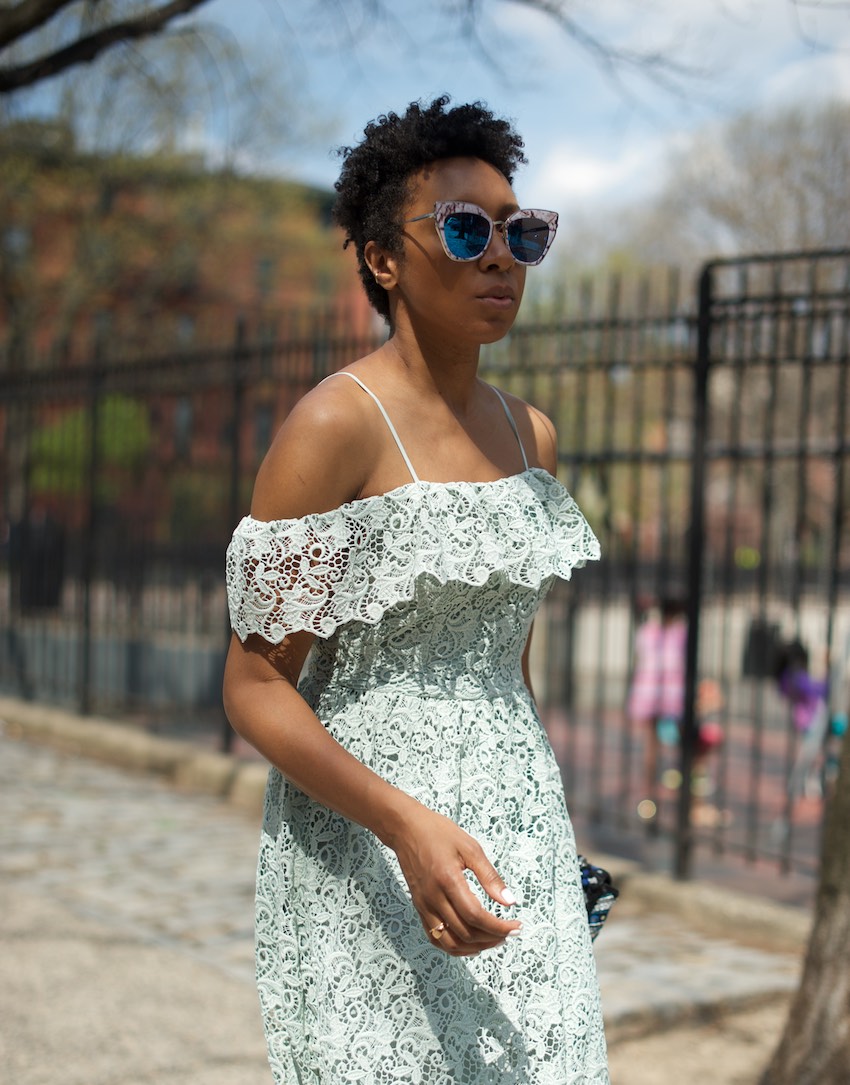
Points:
[[391, 427], [513, 426]]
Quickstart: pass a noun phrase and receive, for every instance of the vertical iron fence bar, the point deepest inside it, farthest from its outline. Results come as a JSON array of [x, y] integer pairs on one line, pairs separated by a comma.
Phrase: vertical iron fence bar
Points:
[[734, 338], [796, 586], [631, 558], [90, 529], [761, 579], [802, 457], [598, 801], [663, 582], [574, 464], [684, 838], [767, 574], [842, 453], [237, 387]]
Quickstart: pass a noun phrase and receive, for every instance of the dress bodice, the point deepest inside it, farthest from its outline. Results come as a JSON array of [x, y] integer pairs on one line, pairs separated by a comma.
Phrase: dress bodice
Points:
[[450, 640]]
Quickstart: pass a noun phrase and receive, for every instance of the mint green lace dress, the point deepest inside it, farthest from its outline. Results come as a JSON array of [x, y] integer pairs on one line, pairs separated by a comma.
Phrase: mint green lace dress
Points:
[[421, 600]]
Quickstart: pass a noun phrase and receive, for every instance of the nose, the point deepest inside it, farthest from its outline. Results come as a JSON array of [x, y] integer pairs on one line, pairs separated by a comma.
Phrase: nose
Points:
[[497, 253]]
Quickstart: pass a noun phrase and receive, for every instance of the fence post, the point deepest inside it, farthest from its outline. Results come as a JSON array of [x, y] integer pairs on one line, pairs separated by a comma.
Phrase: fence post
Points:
[[237, 372], [90, 529], [696, 549]]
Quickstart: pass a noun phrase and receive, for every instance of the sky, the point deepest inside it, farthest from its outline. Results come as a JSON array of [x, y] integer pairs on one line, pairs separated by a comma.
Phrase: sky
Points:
[[593, 140]]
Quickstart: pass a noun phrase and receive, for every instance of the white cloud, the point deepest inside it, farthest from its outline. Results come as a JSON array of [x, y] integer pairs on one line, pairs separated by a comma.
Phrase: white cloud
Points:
[[814, 77], [570, 175]]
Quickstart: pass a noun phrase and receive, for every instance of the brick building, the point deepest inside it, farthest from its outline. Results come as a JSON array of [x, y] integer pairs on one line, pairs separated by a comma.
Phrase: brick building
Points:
[[147, 254]]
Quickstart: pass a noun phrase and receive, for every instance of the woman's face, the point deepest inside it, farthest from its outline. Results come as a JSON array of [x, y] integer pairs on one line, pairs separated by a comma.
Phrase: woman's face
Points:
[[475, 300]]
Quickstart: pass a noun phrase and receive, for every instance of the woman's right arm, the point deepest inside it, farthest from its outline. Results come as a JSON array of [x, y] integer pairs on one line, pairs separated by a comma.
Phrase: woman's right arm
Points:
[[266, 709]]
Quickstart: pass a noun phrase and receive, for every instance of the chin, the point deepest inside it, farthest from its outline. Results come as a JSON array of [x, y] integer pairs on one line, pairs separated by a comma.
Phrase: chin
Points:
[[492, 333]]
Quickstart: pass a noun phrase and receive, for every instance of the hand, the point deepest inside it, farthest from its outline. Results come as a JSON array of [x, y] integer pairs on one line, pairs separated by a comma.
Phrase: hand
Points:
[[433, 853]]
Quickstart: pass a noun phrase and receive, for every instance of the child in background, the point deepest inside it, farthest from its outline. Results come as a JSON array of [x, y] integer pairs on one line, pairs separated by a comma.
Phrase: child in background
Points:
[[807, 697], [657, 702], [657, 694]]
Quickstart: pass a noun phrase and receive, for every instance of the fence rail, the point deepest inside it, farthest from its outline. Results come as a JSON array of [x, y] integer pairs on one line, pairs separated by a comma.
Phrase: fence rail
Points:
[[706, 439]]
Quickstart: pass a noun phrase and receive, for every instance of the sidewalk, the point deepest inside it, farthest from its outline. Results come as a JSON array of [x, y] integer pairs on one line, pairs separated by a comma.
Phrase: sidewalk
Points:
[[126, 912]]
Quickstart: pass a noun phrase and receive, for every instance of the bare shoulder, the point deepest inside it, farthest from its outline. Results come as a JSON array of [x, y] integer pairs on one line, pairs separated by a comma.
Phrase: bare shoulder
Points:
[[320, 456], [537, 433]]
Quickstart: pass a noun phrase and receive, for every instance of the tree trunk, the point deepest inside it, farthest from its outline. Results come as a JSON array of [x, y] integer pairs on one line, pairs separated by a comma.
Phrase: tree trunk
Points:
[[815, 1047]]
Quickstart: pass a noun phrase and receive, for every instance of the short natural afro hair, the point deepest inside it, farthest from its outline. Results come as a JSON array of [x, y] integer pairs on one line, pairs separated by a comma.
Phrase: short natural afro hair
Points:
[[373, 186]]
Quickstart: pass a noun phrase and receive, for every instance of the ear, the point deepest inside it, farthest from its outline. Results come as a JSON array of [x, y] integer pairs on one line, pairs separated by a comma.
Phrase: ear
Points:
[[383, 265]]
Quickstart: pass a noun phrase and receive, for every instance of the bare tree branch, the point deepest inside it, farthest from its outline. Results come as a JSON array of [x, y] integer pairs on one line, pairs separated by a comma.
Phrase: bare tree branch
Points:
[[26, 17], [659, 66], [86, 49], [351, 20], [798, 6]]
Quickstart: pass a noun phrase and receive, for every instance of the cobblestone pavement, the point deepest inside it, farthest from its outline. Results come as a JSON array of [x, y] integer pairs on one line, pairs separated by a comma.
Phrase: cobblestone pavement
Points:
[[130, 851], [173, 873]]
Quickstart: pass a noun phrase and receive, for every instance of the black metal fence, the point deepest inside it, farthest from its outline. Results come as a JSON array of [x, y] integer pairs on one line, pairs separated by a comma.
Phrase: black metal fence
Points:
[[705, 437]]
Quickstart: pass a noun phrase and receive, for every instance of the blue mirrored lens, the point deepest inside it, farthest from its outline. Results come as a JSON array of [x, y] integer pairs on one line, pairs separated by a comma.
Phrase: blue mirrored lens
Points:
[[527, 239], [466, 234]]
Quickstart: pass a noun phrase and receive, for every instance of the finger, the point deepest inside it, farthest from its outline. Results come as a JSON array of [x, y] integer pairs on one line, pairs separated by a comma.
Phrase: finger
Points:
[[443, 937], [468, 919], [478, 919], [450, 932], [491, 881], [455, 947]]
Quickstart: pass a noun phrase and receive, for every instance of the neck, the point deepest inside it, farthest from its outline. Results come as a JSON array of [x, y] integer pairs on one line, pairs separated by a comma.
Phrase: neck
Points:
[[435, 367]]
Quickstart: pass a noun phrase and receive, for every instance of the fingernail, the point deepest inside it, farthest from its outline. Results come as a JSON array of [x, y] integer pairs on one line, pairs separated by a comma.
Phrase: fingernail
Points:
[[508, 897], [515, 932]]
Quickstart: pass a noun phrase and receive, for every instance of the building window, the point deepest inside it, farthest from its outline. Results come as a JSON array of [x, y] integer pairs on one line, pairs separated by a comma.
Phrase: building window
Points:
[[185, 329], [265, 275], [16, 242], [183, 427]]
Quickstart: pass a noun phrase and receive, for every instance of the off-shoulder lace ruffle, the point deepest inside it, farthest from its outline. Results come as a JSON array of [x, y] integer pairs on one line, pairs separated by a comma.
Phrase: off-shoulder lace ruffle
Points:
[[326, 569]]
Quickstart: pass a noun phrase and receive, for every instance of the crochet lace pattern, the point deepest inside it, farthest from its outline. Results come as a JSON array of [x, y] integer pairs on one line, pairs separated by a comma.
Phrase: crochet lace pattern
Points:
[[352, 563]]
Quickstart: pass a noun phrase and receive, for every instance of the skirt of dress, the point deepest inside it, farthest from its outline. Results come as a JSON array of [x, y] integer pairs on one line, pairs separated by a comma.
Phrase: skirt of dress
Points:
[[351, 989]]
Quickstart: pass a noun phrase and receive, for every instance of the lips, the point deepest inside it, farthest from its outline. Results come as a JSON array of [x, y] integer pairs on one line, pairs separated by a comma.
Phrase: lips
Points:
[[499, 293]]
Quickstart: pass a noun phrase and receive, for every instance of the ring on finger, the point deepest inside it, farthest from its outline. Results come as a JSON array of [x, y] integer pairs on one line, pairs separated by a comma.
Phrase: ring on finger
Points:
[[438, 931]]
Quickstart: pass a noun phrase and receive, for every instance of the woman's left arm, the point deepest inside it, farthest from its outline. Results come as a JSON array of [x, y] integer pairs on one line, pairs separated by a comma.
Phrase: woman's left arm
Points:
[[543, 447]]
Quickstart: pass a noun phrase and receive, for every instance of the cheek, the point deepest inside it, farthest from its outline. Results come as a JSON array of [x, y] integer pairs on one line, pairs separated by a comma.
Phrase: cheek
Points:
[[433, 278], [520, 281]]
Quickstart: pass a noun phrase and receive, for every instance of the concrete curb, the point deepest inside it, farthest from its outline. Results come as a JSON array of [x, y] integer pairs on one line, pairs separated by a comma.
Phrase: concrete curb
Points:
[[708, 908], [711, 909], [186, 766], [638, 1024]]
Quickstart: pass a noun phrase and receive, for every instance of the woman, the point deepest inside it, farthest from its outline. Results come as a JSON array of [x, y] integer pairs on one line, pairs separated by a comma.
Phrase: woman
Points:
[[419, 912]]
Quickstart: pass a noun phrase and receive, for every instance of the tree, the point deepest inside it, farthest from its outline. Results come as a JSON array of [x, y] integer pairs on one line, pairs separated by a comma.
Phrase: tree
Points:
[[45, 38], [83, 30], [113, 205], [815, 1046], [59, 450], [770, 182], [84, 35]]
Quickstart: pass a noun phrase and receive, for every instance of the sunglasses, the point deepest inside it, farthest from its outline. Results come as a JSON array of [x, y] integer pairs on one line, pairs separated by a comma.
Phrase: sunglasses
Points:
[[466, 231]]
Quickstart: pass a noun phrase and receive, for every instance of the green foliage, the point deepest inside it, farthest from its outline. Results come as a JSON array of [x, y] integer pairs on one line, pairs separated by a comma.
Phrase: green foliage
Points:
[[61, 450]]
